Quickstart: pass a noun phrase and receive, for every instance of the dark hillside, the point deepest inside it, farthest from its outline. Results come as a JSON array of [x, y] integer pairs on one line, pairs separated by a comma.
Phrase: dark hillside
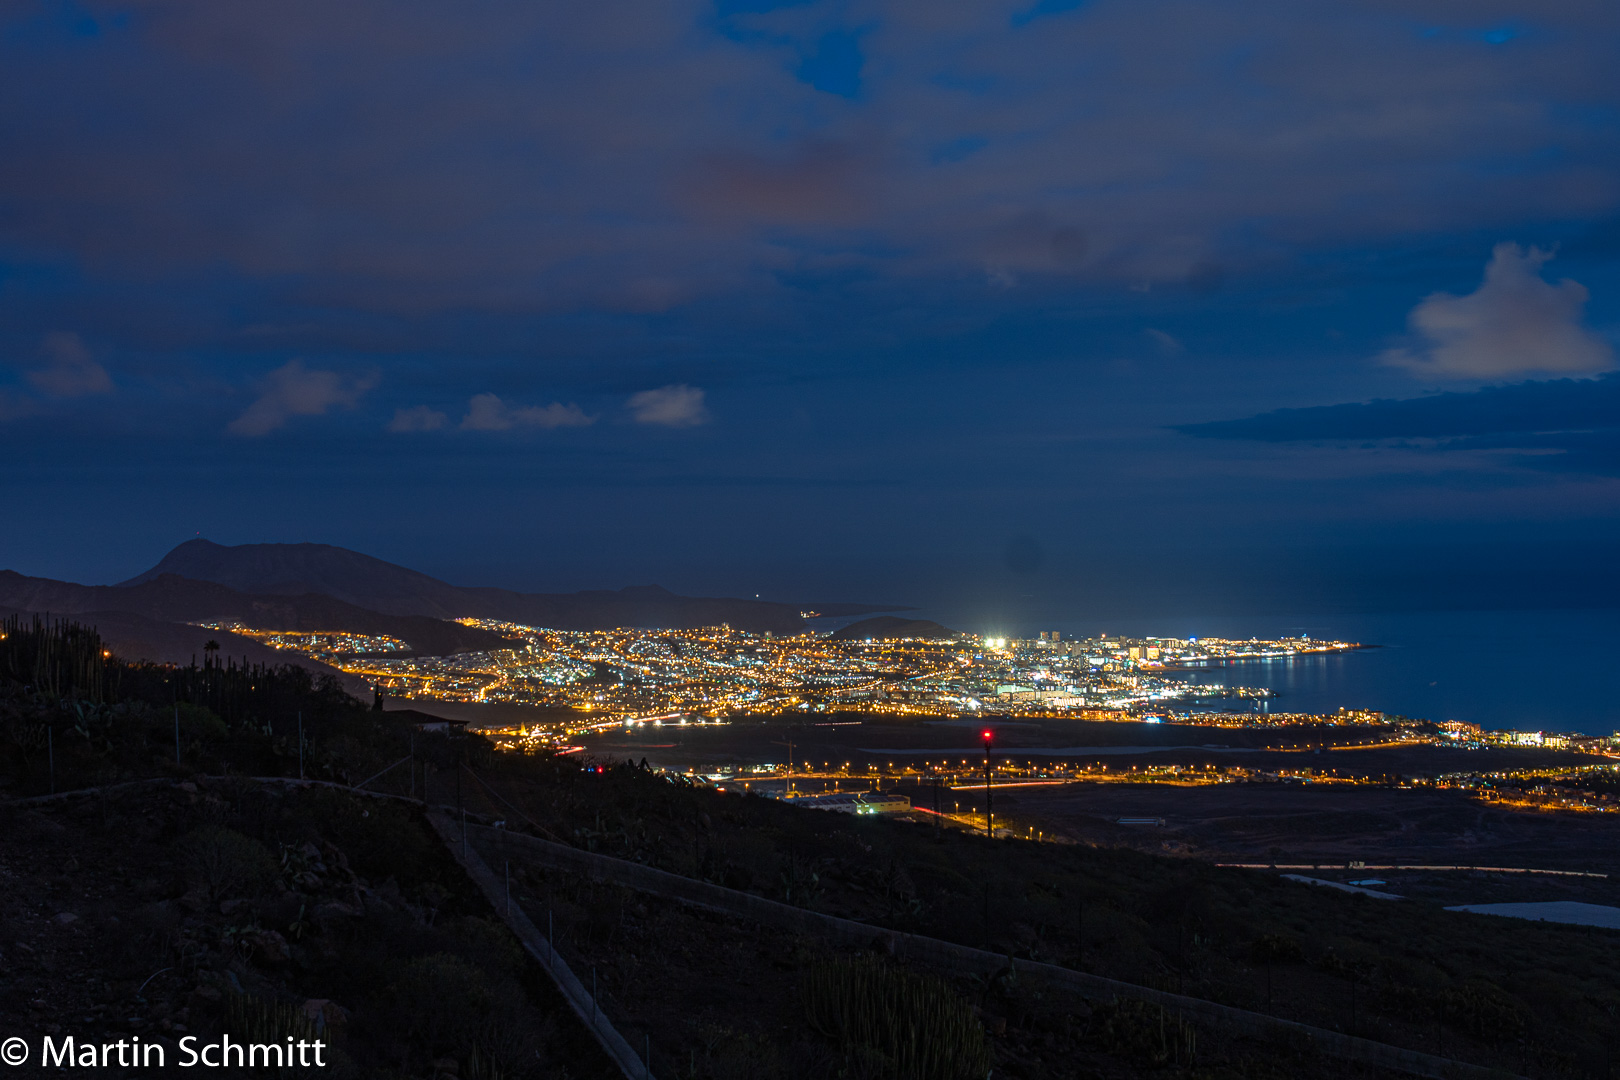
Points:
[[140, 639], [173, 599], [367, 582], [189, 900], [296, 569]]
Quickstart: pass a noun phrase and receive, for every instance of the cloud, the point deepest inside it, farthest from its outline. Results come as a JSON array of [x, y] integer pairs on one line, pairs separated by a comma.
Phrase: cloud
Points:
[[419, 418], [486, 412], [1166, 343], [1124, 125], [1553, 406], [69, 370], [294, 390], [1569, 426], [1515, 323], [670, 406]]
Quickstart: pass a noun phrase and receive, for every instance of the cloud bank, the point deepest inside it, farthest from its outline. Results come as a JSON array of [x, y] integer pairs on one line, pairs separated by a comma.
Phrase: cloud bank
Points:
[[1558, 405], [540, 156], [294, 390], [1515, 323], [1562, 425]]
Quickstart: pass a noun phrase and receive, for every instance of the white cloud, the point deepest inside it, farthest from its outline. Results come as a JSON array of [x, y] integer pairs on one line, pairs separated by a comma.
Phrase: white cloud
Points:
[[294, 390], [420, 418], [1166, 343], [69, 370], [486, 412], [1515, 323], [670, 406]]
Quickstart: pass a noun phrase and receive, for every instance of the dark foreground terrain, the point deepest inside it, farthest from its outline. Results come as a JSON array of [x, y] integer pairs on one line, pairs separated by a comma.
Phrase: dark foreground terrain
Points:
[[203, 901]]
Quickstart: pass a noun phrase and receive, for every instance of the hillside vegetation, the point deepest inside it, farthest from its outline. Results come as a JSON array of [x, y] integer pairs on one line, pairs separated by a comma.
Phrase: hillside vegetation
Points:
[[232, 894]]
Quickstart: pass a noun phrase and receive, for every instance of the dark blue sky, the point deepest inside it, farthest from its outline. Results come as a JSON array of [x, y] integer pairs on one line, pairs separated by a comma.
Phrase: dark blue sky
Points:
[[982, 307]]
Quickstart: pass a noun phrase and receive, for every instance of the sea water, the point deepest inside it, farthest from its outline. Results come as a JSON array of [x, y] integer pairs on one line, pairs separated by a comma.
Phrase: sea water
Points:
[[1525, 670]]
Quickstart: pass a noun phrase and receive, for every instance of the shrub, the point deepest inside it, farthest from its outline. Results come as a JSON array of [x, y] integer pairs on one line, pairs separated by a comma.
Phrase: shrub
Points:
[[1277, 949], [1144, 1032], [225, 862]]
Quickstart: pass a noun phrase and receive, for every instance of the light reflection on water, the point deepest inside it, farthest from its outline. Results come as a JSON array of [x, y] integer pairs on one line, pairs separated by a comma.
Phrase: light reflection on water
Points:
[[1548, 670]]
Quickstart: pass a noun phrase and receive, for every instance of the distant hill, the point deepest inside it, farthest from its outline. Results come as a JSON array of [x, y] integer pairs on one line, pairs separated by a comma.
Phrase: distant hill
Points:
[[171, 599], [136, 638], [367, 582], [300, 569], [891, 626]]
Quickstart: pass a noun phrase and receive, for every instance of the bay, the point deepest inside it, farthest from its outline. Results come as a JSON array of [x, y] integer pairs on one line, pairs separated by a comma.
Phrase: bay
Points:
[[1524, 670]]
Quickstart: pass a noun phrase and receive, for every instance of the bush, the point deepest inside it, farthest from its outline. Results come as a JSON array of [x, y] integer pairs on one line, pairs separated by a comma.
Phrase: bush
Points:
[[227, 863], [1482, 1009], [1277, 949], [1144, 1032]]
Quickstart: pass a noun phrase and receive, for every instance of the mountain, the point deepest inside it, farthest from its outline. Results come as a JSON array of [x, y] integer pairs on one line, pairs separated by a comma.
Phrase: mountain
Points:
[[371, 583], [890, 626], [168, 598], [300, 569]]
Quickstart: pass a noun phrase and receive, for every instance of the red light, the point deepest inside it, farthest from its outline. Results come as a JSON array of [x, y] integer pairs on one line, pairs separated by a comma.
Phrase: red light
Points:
[[988, 735]]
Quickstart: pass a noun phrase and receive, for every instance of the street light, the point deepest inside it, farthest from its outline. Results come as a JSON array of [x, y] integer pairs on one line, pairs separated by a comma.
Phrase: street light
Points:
[[989, 818]]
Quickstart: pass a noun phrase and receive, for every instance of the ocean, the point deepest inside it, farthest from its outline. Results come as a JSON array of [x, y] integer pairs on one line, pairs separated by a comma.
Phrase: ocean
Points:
[[1527, 670]]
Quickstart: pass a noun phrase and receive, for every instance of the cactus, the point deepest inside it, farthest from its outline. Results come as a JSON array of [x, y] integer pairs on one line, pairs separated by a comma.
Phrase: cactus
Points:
[[250, 1019], [911, 1026], [60, 659]]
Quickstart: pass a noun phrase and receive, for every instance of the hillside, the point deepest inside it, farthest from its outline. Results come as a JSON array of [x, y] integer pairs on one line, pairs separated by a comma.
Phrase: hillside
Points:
[[183, 897], [139, 639], [172, 599], [371, 583], [883, 627]]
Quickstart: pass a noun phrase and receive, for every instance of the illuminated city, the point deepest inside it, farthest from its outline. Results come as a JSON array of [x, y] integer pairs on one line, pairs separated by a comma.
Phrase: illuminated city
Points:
[[643, 675]]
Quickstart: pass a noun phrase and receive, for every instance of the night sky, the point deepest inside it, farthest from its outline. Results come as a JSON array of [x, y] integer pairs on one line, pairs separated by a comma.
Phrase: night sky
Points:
[[1042, 308]]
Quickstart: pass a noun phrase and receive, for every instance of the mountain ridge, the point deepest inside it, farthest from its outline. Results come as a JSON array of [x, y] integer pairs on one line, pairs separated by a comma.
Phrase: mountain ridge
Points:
[[169, 598], [377, 585]]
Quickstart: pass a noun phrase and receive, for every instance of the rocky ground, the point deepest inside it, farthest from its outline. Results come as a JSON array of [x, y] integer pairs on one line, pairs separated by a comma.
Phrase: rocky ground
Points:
[[161, 910]]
